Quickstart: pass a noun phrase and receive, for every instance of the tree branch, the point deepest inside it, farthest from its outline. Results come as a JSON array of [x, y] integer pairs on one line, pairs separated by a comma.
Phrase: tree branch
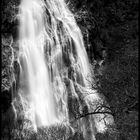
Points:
[[93, 113]]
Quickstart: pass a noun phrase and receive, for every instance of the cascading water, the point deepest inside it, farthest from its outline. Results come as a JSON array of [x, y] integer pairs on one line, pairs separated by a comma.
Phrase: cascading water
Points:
[[34, 72], [51, 50]]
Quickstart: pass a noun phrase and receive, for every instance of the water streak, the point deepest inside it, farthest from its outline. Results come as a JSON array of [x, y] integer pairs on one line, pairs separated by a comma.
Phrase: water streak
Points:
[[34, 74]]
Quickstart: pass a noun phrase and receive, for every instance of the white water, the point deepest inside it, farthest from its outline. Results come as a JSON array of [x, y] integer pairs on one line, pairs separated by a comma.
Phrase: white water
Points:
[[34, 72], [51, 49]]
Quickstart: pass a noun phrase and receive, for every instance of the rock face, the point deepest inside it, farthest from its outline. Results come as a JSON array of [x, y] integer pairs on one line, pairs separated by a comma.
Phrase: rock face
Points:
[[9, 45], [10, 67]]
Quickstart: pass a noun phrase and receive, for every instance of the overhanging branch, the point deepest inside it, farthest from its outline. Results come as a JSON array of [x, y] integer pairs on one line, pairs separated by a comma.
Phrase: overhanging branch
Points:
[[93, 113]]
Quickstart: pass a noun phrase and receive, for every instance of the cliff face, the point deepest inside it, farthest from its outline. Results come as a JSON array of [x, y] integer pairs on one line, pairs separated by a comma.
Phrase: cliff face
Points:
[[9, 34]]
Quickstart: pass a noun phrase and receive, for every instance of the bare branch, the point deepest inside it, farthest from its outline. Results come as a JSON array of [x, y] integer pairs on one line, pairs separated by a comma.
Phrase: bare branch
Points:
[[93, 113]]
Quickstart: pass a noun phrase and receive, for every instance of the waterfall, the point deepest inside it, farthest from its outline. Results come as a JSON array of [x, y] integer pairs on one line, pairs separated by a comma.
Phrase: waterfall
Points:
[[51, 52], [35, 78]]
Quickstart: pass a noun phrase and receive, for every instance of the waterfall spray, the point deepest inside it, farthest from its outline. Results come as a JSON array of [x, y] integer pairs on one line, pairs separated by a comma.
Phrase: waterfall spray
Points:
[[56, 34], [51, 52]]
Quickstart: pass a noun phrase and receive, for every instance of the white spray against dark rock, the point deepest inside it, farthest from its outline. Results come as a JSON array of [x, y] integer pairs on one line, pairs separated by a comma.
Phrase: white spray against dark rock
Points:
[[51, 49]]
